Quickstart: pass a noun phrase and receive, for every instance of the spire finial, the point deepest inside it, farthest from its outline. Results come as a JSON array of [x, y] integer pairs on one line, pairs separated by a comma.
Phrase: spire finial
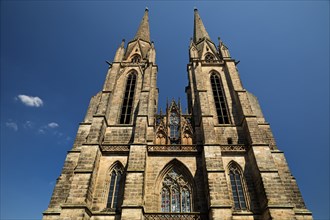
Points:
[[191, 41], [179, 103], [143, 32], [122, 43], [199, 29], [166, 103]]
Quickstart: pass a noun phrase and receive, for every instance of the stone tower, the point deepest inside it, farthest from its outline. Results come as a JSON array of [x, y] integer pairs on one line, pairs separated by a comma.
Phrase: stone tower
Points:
[[219, 160]]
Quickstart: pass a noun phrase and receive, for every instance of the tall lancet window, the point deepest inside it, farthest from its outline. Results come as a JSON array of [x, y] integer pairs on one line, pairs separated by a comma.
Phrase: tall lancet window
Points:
[[116, 177], [219, 99], [237, 188], [176, 193], [127, 108], [174, 128]]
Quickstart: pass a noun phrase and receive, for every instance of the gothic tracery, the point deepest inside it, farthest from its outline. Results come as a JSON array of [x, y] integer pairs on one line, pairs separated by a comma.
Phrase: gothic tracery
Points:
[[175, 193], [173, 127], [115, 186]]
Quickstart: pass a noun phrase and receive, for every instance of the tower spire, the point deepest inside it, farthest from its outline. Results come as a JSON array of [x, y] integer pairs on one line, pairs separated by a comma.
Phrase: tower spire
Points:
[[143, 32], [199, 29]]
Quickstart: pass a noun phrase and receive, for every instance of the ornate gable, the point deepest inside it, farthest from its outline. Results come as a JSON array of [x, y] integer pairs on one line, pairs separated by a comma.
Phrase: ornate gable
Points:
[[209, 52], [133, 50]]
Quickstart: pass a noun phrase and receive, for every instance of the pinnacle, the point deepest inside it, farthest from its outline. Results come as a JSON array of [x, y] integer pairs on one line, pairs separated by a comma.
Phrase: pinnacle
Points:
[[143, 32], [199, 29]]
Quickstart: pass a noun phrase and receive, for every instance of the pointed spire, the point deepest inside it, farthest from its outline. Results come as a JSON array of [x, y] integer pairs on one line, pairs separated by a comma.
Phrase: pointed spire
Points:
[[166, 104], [223, 49], [122, 45], [199, 29], [180, 106], [143, 32]]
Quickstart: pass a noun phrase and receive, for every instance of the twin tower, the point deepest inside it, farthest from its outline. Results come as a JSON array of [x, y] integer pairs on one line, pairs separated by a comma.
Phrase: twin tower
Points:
[[219, 160]]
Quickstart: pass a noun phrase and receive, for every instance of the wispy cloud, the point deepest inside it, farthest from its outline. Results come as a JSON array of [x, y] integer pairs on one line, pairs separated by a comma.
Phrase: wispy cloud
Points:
[[46, 128], [30, 100], [53, 125], [41, 131], [52, 129], [12, 125], [28, 125]]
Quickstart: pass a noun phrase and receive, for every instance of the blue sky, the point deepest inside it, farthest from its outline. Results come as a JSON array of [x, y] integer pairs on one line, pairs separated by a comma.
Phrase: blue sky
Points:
[[52, 62]]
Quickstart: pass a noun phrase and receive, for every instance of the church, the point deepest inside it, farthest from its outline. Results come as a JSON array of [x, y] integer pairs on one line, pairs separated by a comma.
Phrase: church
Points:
[[217, 160]]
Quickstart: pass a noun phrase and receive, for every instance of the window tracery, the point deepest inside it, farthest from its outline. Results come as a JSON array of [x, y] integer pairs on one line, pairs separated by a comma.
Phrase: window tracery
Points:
[[114, 187], [236, 182], [209, 58], [219, 99], [175, 193], [127, 107], [173, 128]]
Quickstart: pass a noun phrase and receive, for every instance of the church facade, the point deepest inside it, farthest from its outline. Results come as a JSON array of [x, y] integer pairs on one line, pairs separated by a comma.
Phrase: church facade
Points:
[[218, 160]]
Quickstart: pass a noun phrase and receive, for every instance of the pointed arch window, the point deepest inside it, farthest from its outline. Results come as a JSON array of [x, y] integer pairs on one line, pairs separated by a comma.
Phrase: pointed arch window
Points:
[[175, 193], [127, 107], [219, 99], [116, 177], [236, 182]]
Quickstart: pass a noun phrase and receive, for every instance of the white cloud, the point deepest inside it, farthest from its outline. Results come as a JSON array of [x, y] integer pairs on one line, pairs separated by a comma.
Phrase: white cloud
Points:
[[46, 128], [28, 125], [30, 100], [53, 125], [41, 131], [12, 125]]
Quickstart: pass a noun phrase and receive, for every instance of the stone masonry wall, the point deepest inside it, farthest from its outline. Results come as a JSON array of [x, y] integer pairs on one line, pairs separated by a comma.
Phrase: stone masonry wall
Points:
[[118, 135], [63, 183], [289, 181]]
